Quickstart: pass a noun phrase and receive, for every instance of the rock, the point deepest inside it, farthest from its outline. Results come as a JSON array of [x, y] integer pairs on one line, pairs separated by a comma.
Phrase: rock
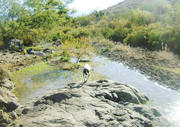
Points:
[[102, 81], [16, 45], [4, 74], [84, 60], [53, 98], [8, 103], [39, 53], [11, 106], [57, 43], [7, 84], [95, 104], [14, 115], [4, 119], [47, 50], [25, 110], [30, 51]]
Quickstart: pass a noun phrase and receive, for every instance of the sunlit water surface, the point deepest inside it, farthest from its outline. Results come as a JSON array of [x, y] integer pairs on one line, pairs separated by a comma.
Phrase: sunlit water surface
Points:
[[165, 99]]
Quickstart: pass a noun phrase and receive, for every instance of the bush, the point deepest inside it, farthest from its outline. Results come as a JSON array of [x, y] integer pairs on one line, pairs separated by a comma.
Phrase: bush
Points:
[[138, 37], [120, 34], [84, 20], [173, 39], [65, 56], [107, 32], [79, 32], [139, 17], [155, 36]]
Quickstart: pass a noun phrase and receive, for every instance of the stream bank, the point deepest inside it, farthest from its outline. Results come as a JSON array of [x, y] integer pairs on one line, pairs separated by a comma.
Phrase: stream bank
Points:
[[161, 66]]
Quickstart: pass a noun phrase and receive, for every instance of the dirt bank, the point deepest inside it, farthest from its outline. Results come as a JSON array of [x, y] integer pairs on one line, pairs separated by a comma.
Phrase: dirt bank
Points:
[[14, 61]]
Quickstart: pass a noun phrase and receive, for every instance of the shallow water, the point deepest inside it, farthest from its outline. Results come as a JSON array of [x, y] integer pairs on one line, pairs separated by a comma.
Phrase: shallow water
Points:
[[165, 99]]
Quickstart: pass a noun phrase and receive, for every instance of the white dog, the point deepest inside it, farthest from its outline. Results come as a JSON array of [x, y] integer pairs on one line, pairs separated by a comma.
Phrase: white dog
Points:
[[86, 72]]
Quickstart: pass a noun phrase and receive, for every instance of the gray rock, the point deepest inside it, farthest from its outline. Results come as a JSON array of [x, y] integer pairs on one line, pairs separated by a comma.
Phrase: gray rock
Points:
[[84, 60], [47, 50], [92, 105], [30, 51], [38, 53], [57, 43], [7, 84], [8, 102], [16, 45]]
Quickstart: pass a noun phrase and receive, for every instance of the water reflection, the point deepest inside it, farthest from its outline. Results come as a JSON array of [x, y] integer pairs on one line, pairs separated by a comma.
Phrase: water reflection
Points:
[[37, 85]]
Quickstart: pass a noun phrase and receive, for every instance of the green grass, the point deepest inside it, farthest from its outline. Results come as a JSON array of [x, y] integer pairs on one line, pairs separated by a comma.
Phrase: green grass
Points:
[[37, 68], [35, 48]]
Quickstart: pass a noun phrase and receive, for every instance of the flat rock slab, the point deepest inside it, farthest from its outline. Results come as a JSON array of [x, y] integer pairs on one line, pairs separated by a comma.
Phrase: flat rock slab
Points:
[[96, 104]]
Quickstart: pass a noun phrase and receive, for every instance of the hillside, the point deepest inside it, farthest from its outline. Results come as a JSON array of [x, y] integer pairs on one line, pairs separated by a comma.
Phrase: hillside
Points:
[[135, 4], [153, 25], [123, 6]]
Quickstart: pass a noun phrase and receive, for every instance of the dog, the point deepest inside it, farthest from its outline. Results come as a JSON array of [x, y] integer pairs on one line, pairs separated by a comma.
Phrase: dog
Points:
[[86, 72]]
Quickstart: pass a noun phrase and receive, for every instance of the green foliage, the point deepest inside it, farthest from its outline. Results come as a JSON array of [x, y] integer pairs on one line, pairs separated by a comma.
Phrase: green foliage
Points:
[[105, 50], [155, 37], [84, 20], [172, 38], [139, 17], [150, 24], [138, 37], [79, 32], [107, 32], [34, 21], [65, 57], [158, 7], [120, 34]]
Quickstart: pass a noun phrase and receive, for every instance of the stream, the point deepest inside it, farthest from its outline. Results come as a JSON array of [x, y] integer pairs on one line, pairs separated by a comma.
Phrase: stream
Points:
[[167, 101]]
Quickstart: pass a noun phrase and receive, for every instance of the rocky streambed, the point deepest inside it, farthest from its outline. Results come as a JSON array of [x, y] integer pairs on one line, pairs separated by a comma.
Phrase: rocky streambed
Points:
[[95, 104]]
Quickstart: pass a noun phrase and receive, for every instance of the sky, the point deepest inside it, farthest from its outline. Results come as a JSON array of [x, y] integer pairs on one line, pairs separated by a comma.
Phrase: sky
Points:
[[84, 7]]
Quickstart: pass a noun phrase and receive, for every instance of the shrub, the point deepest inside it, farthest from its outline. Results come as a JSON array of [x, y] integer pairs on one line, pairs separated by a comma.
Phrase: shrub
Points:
[[154, 40], [138, 37], [120, 34], [139, 17], [173, 39], [65, 56], [105, 50], [79, 32], [107, 32]]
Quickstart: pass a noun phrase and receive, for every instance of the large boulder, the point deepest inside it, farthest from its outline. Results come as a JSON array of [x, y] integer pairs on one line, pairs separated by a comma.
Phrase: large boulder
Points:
[[16, 45], [96, 104]]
